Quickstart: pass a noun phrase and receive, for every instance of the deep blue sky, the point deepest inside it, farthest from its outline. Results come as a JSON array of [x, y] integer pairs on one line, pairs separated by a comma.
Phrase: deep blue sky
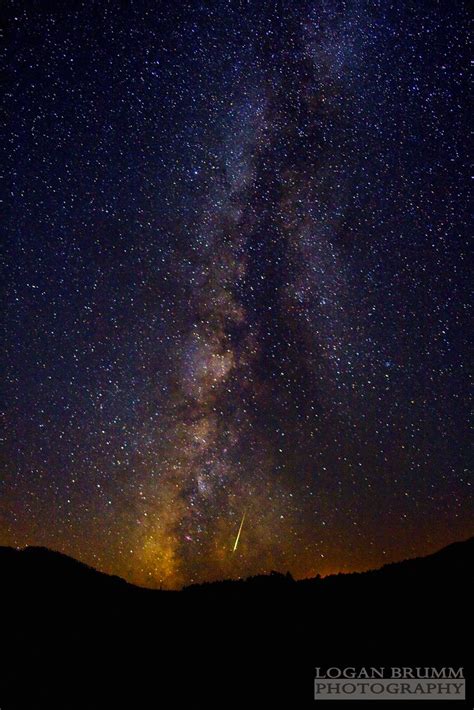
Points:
[[236, 281]]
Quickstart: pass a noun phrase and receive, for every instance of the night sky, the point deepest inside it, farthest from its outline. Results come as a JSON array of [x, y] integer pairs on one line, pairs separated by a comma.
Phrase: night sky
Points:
[[236, 284]]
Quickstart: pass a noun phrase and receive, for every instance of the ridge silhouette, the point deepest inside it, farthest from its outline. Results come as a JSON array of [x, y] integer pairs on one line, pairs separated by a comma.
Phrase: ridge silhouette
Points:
[[78, 638]]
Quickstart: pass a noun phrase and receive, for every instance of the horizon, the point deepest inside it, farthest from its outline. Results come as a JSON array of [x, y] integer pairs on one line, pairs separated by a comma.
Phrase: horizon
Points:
[[268, 573]]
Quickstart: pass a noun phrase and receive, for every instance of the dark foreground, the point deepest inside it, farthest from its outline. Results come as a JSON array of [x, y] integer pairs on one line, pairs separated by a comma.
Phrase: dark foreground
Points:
[[75, 638]]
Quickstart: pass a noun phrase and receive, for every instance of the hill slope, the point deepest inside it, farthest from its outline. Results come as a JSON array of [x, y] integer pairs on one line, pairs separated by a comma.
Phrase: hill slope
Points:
[[85, 639]]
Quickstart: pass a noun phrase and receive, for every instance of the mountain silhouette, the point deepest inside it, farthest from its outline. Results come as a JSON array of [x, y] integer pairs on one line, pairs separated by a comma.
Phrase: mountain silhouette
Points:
[[78, 638]]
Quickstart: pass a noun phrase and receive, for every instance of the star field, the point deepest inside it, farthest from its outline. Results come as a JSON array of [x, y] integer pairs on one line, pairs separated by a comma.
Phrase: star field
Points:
[[236, 281]]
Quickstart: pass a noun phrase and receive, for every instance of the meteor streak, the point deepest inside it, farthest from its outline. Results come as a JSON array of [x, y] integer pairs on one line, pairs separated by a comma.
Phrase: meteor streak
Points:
[[238, 534]]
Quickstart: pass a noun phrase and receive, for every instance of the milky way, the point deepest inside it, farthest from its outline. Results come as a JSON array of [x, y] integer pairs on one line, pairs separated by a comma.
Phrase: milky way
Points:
[[237, 285]]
